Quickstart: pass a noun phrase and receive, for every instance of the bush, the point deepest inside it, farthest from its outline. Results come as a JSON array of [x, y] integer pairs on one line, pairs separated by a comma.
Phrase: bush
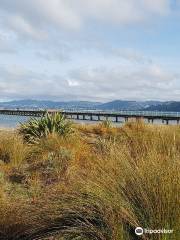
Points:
[[35, 129]]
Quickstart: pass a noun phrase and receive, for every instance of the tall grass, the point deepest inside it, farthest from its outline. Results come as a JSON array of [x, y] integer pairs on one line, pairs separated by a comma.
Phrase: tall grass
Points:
[[98, 184], [12, 149]]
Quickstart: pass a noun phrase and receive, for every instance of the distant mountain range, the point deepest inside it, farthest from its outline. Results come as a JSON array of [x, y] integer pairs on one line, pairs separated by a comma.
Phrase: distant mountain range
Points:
[[45, 104], [116, 105], [165, 107], [127, 105]]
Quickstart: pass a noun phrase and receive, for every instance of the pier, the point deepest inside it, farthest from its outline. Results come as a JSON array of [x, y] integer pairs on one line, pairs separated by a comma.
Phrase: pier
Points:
[[117, 117]]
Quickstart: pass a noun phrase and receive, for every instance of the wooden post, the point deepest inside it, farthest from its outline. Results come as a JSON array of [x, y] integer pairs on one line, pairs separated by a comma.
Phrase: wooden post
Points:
[[116, 118]]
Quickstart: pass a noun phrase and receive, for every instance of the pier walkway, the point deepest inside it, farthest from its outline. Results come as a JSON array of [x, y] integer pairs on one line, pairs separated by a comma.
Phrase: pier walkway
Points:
[[93, 115]]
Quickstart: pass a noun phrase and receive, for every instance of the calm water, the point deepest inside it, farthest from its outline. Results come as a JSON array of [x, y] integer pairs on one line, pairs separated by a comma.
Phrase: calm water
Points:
[[14, 121], [11, 121]]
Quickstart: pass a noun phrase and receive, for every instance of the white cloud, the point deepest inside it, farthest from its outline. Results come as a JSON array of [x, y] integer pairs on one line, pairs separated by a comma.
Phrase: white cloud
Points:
[[149, 82], [19, 82], [122, 12], [101, 83], [34, 17], [19, 24], [60, 55], [6, 45], [73, 83], [121, 72]]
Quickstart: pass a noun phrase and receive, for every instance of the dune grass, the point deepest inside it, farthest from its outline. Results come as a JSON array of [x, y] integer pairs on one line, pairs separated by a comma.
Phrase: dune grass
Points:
[[99, 183]]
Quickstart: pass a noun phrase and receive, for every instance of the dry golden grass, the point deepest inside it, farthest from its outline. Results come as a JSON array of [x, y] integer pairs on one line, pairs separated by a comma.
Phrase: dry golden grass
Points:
[[98, 184]]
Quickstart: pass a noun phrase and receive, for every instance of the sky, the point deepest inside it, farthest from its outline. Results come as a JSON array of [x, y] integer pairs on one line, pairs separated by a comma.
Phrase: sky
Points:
[[94, 50]]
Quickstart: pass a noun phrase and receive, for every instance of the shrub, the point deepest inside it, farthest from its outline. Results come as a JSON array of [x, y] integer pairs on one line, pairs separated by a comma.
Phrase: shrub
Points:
[[35, 129]]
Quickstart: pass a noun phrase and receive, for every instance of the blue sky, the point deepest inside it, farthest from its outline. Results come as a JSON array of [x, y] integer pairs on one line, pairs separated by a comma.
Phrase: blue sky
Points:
[[96, 50]]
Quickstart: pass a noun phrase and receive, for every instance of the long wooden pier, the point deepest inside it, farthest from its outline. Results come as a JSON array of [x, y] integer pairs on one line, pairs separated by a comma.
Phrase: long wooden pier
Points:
[[119, 116]]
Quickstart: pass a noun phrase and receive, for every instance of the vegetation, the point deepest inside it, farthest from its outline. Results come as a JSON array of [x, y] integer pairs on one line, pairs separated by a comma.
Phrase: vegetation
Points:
[[97, 183], [36, 129]]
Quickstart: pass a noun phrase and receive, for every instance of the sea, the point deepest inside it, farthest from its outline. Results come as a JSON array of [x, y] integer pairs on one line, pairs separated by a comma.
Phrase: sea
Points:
[[12, 121]]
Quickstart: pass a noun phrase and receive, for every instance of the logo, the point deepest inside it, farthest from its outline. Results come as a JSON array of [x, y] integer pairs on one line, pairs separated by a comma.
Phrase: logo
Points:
[[139, 231]]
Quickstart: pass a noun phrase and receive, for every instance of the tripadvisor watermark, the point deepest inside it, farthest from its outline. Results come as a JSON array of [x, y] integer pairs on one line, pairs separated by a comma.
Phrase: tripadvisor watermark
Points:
[[140, 231]]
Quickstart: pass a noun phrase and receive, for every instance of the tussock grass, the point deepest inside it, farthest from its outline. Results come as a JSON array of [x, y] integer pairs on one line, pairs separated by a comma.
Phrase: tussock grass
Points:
[[13, 151], [99, 183]]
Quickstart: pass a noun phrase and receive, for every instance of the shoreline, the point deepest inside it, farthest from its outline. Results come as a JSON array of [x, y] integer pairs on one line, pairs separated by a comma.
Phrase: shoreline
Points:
[[7, 129]]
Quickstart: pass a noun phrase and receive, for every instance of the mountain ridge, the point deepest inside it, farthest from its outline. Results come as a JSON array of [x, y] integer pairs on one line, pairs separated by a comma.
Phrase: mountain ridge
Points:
[[171, 106], [115, 105]]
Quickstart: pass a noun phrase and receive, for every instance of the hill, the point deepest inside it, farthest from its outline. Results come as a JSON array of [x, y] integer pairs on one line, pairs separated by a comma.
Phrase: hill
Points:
[[127, 105], [46, 104], [166, 107]]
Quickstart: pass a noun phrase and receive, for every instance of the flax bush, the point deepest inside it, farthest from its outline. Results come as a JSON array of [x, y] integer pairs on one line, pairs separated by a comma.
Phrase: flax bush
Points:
[[35, 128]]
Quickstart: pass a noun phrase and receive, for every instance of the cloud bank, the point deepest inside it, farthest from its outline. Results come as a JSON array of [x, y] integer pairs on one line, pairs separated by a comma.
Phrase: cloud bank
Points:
[[88, 49], [35, 17]]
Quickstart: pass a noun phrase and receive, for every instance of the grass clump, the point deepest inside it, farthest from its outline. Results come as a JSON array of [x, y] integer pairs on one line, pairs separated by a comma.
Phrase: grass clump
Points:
[[13, 151]]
